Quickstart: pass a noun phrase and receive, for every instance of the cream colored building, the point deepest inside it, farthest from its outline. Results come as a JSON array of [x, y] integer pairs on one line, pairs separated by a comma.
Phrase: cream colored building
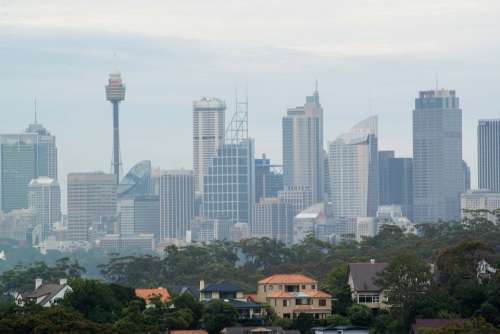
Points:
[[291, 295]]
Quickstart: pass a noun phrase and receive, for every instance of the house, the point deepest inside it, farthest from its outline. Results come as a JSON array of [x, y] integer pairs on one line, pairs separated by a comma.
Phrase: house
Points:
[[193, 291], [257, 330], [149, 294], [362, 277], [233, 295], [291, 295], [420, 324], [341, 330], [44, 294]]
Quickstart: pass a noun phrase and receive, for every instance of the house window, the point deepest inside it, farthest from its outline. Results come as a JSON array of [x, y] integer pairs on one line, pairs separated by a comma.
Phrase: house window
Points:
[[303, 287], [313, 287], [322, 302], [270, 288], [368, 299], [286, 315], [302, 301], [285, 302], [207, 295]]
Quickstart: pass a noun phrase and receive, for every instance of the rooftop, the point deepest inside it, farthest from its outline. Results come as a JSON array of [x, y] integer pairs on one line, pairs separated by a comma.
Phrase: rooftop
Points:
[[364, 275], [148, 294], [222, 287], [288, 279]]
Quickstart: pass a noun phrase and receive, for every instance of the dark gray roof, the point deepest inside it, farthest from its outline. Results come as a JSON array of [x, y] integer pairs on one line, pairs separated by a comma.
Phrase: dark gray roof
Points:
[[222, 287], [261, 329], [179, 290], [48, 291], [364, 275]]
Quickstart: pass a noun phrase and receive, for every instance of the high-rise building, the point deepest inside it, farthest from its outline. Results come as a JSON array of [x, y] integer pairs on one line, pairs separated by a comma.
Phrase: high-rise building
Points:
[[91, 199], [480, 203], [208, 135], [396, 181], [299, 198], [303, 147], [466, 171], [176, 203], [354, 175], [488, 149], [115, 93], [229, 184], [44, 199], [137, 182], [147, 215], [437, 156], [24, 157], [273, 219], [268, 178]]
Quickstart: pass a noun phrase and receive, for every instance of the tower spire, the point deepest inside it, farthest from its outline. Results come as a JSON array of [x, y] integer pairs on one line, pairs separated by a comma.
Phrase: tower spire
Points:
[[34, 103]]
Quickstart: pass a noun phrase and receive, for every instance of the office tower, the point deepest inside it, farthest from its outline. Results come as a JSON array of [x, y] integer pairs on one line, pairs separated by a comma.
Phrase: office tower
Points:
[[326, 178], [176, 203], [273, 219], [303, 147], [466, 171], [115, 93], [147, 215], [44, 198], [354, 176], [437, 156], [396, 181], [206, 230], [268, 178], [208, 135], [229, 184], [91, 199], [24, 157], [488, 149], [393, 215], [483, 200], [137, 182], [299, 198]]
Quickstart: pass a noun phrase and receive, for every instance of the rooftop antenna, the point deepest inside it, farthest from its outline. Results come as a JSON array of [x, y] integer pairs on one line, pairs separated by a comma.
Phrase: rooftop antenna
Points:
[[316, 85], [437, 81]]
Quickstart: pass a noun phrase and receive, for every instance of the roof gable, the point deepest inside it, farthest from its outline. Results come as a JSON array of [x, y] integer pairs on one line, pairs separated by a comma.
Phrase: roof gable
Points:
[[363, 275], [222, 287], [288, 279]]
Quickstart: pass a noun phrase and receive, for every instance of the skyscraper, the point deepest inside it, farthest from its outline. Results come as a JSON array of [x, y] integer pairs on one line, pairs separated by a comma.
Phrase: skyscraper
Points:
[[268, 178], [303, 147], [396, 182], [176, 203], [115, 93], [437, 156], [488, 149], [208, 135], [91, 199], [44, 198], [354, 176], [229, 184], [466, 171], [24, 157]]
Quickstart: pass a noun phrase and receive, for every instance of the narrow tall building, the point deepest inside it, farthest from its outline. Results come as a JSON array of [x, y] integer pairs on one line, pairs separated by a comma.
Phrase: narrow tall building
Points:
[[273, 219], [208, 135], [91, 199], [354, 175], [44, 199], [438, 177], [24, 157], [115, 93], [488, 149], [176, 203], [268, 178], [303, 147]]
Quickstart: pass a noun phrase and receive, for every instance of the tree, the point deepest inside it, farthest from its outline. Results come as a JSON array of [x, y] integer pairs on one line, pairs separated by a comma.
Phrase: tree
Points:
[[304, 322], [218, 315], [360, 315], [405, 280], [474, 326], [336, 283], [187, 302]]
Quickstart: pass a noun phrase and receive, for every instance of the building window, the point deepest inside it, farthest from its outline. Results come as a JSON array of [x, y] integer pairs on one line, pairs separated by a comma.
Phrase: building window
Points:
[[207, 295], [286, 315], [313, 287], [322, 302], [303, 287], [368, 299], [270, 288], [285, 302]]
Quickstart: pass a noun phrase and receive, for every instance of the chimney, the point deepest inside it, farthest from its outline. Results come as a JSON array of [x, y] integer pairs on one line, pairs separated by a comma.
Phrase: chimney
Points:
[[38, 283], [202, 285], [63, 281], [372, 261]]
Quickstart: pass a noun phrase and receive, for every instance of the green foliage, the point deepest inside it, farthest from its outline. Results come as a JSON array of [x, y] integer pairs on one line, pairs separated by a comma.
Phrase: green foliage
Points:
[[360, 315], [219, 315], [336, 284], [304, 323], [474, 326]]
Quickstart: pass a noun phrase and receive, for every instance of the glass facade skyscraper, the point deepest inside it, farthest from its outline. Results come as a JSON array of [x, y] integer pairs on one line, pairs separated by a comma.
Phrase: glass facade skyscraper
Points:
[[488, 149], [438, 177], [354, 175], [24, 157], [268, 178], [303, 163], [44, 198]]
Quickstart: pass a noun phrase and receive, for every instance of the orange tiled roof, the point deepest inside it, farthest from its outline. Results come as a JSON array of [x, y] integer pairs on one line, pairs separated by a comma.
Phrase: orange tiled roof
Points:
[[317, 293], [288, 279], [147, 294], [281, 294]]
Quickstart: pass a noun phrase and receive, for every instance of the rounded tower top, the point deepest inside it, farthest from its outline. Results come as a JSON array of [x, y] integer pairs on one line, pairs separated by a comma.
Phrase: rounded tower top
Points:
[[115, 90]]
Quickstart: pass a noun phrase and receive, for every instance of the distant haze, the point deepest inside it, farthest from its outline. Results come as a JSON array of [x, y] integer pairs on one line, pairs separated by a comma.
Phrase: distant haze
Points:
[[369, 56]]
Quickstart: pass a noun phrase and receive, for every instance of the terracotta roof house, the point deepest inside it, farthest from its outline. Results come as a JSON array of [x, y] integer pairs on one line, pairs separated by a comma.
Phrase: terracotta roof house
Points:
[[290, 295], [44, 294], [432, 324], [257, 330], [149, 294], [362, 278]]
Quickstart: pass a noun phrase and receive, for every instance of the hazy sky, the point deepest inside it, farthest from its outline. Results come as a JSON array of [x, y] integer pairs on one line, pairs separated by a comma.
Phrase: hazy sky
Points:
[[369, 56]]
